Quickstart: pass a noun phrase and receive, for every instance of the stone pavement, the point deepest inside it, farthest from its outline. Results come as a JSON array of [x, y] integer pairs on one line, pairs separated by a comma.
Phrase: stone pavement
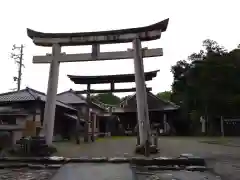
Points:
[[224, 160], [235, 142], [124, 172], [26, 174]]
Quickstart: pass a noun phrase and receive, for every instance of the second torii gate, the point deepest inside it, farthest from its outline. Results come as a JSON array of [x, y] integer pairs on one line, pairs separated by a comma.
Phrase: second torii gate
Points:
[[134, 35], [111, 79]]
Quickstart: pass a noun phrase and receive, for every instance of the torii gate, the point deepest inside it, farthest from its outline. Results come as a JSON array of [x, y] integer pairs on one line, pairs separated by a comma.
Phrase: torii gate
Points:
[[103, 79], [134, 35]]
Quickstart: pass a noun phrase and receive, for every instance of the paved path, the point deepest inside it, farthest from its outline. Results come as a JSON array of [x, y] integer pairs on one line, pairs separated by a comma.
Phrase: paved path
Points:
[[169, 146], [224, 159]]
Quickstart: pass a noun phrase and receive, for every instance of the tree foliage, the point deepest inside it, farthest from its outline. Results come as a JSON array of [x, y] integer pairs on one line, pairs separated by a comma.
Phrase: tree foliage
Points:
[[125, 97], [208, 81], [107, 98], [166, 95]]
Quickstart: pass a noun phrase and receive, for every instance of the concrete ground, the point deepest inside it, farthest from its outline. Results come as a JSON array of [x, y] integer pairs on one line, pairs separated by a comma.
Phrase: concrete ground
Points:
[[223, 158]]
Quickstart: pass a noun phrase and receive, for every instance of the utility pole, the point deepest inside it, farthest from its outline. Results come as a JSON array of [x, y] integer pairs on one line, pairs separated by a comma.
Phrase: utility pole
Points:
[[18, 57]]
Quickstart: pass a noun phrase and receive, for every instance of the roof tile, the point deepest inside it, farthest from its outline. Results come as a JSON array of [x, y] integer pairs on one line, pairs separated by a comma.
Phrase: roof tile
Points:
[[28, 94], [22, 95], [70, 97]]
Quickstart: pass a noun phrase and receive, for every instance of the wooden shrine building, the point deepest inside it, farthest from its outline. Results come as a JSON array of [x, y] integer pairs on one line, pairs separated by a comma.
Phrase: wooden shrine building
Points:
[[161, 113]]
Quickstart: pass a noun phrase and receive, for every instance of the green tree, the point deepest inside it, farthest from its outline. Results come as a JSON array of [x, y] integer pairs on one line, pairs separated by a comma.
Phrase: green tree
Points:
[[125, 97], [207, 83], [107, 98], [166, 95]]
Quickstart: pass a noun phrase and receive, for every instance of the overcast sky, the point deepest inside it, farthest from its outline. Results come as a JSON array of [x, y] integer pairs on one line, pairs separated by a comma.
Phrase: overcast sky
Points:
[[191, 21]]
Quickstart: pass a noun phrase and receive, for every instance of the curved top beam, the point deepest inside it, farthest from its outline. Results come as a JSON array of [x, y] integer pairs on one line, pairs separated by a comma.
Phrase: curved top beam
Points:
[[145, 33], [120, 78]]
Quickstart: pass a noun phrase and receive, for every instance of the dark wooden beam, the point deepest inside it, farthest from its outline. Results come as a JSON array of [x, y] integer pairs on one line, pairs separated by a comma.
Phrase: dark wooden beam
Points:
[[88, 90], [145, 33], [119, 78], [94, 91], [112, 86]]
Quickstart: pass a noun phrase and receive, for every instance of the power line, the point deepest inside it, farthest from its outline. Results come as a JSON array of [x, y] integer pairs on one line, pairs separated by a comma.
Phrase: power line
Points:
[[18, 57]]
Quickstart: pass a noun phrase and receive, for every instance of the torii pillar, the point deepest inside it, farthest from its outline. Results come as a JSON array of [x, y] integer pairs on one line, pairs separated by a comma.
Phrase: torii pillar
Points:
[[142, 105], [50, 106]]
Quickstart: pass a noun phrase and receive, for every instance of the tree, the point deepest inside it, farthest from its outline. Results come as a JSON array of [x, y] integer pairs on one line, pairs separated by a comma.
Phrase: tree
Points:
[[107, 98], [125, 97], [207, 82], [166, 95]]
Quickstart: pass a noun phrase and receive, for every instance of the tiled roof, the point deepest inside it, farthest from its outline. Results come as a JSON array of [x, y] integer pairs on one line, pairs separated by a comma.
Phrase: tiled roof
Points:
[[70, 97], [94, 103], [22, 95], [168, 105], [28, 94]]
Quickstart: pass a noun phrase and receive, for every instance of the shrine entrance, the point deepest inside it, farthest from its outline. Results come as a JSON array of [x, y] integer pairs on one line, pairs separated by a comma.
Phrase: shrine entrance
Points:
[[134, 35], [112, 80]]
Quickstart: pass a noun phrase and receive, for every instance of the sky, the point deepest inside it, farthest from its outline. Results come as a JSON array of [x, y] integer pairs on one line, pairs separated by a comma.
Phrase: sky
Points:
[[190, 22]]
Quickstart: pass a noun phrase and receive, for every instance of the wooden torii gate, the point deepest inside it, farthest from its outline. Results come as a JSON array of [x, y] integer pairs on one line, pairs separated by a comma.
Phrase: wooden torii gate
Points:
[[134, 35], [111, 79]]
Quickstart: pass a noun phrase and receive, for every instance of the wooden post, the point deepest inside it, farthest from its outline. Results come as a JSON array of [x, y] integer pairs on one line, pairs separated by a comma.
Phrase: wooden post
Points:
[[142, 106], [112, 86], [203, 122], [222, 126], [50, 105], [155, 140], [138, 137], [164, 123], [92, 116], [107, 128], [95, 51], [86, 126], [77, 131]]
